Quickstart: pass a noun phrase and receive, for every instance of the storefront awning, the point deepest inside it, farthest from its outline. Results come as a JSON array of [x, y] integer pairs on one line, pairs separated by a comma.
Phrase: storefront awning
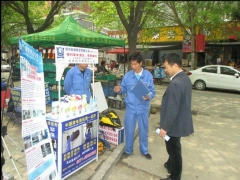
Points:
[[118, 51], [223, 44]]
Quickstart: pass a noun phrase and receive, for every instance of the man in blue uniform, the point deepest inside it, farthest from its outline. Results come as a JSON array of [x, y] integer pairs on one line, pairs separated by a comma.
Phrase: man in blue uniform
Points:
[[88, 135], [78, 81], [136, 109], [68, 144]]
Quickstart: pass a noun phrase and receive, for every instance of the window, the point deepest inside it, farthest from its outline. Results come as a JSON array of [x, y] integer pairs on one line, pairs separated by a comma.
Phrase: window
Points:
[[211, 69], [227, 71]]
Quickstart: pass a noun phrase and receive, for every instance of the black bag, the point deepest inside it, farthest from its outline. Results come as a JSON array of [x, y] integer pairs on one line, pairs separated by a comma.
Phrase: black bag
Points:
[[10, 107], [110, 118]]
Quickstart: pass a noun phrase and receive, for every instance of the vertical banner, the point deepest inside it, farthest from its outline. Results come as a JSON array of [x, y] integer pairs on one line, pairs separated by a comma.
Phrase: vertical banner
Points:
[[200, 43], [186, 44], [36, 137]]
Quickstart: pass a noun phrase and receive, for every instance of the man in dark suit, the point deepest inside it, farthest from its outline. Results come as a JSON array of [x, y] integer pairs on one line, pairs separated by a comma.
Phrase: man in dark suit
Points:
[[176, 117]]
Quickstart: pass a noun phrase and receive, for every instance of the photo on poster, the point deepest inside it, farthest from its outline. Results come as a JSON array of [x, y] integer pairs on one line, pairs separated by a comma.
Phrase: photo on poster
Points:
[[27, 142], [26, 114], [71, 139], [46, 149], [43, 134], [37, 112], [35, 138], [54, 143], [89, 131], [51, 176]]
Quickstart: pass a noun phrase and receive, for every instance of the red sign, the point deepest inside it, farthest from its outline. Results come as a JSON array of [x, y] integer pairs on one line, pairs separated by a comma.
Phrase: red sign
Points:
[[200, 43], [233, 37]]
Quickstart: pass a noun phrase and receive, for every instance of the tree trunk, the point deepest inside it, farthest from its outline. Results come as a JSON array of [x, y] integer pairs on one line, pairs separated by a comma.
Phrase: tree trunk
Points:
[[132, 42], [193, 47]]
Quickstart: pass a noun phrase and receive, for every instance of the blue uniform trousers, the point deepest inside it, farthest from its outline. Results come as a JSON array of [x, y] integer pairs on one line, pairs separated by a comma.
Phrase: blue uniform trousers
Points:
[[130, 120]]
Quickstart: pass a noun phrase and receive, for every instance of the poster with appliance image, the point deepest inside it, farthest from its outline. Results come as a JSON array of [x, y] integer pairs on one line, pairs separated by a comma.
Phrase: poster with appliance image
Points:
[[74, 142]]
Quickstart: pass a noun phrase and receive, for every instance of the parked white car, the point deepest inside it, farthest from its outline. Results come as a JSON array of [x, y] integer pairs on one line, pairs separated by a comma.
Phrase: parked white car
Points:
[[5, 67], [215, 76]]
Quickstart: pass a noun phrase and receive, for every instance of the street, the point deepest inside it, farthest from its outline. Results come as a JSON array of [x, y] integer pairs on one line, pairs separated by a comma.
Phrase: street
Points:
[[212, 152]]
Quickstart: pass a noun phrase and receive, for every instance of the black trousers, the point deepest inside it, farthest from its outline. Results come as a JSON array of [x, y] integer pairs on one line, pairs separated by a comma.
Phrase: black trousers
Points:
[[174, 162]]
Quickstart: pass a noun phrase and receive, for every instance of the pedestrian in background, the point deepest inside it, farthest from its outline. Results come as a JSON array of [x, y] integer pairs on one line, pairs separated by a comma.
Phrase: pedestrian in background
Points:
[[175, 116], [103, 68], [136, 109]]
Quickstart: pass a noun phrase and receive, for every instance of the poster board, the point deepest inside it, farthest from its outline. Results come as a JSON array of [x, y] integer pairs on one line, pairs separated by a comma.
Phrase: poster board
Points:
[[99, 94], [35, 133]]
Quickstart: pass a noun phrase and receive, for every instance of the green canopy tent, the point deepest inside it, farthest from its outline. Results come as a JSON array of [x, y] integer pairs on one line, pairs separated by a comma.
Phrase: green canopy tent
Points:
[[69, 33]]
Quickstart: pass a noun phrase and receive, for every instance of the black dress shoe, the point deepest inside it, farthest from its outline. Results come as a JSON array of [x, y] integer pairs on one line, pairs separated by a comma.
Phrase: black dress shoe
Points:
[[148, 156], [125, 155], [168, 178], [166, 166]]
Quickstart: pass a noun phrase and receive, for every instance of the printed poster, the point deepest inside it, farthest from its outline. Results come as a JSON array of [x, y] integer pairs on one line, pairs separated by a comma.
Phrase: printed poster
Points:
[[187, 44], [66, 54], [74, 142], [36, 137]]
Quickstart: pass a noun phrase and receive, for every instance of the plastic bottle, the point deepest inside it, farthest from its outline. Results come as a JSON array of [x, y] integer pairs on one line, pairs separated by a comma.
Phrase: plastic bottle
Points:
[[84, 103], [166, 137]]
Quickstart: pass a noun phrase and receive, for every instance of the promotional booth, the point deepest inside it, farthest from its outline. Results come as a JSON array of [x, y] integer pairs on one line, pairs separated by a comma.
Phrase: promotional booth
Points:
[[73, 131]]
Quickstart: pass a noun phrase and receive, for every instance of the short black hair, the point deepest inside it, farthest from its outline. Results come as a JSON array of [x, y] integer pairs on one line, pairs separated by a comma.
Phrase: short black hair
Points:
[[103, 62], [136, 56], [163, 57], [173, 58]]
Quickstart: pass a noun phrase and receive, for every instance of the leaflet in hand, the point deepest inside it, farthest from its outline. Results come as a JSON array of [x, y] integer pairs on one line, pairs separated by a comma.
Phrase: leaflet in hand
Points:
[[140, 90]]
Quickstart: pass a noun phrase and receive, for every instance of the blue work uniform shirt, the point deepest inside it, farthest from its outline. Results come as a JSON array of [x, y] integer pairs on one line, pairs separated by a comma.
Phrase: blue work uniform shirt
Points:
[[78, 83], [131, 101]]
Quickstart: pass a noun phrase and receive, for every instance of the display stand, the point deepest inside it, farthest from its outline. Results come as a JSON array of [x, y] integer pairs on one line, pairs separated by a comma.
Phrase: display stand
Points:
[[74, 141]]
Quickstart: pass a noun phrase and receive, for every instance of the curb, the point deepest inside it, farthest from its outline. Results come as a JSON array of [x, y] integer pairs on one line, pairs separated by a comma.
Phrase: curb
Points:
[[106, 167]]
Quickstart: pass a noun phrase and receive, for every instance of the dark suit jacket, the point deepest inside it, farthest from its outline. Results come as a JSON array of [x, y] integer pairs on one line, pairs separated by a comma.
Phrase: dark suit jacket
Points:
[[176, 115]]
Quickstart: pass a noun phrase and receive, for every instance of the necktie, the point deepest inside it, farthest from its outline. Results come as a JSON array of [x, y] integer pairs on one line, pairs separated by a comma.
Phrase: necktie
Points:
[[138, 76]]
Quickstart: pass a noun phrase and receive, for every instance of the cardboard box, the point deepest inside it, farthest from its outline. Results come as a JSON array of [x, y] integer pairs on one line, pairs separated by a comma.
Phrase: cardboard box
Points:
[[115, 136], [184, 62], [148, 62]]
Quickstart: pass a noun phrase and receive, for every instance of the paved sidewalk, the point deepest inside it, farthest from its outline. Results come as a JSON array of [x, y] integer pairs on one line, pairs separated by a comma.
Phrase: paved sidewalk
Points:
[[211, 153], [14, 144]]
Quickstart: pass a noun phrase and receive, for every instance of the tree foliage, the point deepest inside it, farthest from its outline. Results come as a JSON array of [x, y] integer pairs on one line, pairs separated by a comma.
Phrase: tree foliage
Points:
[[206, 15], [128, 16], [193, 17], [27, 17], [236, 11]]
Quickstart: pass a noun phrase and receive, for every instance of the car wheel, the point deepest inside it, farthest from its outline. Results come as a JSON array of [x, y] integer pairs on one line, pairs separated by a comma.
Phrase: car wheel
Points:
[[200, 85]]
